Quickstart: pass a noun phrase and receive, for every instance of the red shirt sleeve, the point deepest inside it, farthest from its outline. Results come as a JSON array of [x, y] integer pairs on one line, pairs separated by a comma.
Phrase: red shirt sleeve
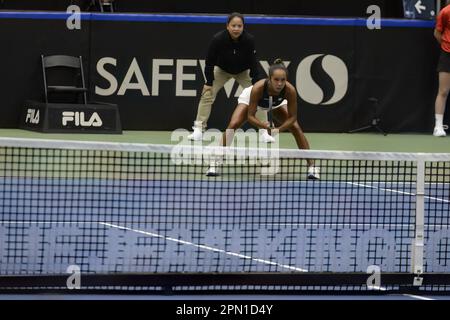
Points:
[[441, 21]]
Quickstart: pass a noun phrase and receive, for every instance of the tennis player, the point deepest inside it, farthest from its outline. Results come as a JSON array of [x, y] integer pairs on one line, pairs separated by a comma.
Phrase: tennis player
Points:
[[442, 35], [278, 95], [231, 54]]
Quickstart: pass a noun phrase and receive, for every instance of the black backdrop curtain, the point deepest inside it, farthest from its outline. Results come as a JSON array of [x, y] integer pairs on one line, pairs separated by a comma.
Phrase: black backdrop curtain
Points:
[[341, 8]]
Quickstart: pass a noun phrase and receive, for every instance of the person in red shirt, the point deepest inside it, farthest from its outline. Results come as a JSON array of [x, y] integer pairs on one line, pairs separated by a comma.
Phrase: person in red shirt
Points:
[[442, 35]]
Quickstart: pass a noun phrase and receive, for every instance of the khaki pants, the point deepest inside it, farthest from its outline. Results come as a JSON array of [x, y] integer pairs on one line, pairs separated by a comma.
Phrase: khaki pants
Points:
[[208, 97]]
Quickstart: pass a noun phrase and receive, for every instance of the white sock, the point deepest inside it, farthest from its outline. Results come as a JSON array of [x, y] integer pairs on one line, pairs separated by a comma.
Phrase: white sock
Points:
[[439, 120], [198, 124]]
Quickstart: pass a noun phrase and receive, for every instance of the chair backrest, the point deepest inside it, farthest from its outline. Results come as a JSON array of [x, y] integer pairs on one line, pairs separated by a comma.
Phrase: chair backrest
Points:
[[61, 61], [63, 70]]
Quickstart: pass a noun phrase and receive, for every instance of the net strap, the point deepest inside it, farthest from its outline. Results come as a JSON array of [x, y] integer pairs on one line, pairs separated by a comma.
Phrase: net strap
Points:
[[418, 242]]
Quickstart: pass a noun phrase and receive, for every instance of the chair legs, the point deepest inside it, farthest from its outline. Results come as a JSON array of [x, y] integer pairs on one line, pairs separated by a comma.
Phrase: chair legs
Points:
[[106, 5]]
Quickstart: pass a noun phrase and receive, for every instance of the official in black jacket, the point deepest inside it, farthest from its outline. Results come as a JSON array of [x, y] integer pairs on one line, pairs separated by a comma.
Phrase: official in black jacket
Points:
[[231, 54]]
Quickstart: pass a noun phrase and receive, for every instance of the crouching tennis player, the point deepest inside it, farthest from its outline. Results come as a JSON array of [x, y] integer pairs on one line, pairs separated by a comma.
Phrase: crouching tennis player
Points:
[[276, 96]]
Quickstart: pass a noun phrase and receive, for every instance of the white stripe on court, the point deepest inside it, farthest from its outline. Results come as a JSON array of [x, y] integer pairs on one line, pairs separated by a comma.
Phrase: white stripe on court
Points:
[[396, 191], [205, 247], [396, 225], [417, 297]]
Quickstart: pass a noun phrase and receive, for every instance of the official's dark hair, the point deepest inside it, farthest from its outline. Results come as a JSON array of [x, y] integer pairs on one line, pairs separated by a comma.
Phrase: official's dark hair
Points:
[[233, 15], [277, 64]]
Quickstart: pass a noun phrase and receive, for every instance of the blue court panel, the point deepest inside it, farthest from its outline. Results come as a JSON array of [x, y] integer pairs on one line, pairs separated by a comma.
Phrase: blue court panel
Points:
[[215, 226]]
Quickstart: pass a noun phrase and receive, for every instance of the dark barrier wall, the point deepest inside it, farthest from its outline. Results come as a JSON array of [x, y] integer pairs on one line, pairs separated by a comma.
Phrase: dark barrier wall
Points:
[[23, 41], [398, 67], [152, 66], [167, 104], [347, 8]]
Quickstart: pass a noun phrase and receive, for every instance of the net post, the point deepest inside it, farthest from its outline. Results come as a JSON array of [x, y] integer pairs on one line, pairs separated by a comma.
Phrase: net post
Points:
[[418, 242]]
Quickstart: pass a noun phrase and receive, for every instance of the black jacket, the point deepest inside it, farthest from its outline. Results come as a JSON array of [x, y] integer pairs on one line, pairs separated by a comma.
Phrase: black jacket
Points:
[[231, 56]]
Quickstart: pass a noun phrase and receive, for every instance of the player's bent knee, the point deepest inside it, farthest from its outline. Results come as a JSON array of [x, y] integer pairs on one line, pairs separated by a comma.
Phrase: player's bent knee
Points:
[[295, 127], [233, 126]]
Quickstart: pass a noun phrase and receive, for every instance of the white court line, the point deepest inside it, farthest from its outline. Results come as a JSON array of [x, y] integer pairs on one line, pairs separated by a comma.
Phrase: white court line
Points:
[[396, 191], [374, 182], [413, 183], [201, 246], [417, 297], [397, 225]]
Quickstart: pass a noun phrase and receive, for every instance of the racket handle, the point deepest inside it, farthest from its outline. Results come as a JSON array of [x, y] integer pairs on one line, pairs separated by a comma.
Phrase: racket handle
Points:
[[269, 112]]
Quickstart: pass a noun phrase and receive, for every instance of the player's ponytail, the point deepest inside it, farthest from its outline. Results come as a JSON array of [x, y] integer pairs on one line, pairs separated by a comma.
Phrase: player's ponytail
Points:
[[278, 61], [277, 64]]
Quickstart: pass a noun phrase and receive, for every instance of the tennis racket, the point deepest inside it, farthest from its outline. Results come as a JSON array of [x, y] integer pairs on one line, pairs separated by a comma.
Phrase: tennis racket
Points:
[[269, 113]]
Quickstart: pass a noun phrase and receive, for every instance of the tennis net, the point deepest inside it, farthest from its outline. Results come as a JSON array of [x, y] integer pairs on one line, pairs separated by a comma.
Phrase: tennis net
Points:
[[145, 217]]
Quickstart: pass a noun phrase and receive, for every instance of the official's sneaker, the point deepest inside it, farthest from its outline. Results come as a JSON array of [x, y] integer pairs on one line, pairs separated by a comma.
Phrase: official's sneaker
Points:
[[197, 135], [313, 173], [266, 137], [439, 131]]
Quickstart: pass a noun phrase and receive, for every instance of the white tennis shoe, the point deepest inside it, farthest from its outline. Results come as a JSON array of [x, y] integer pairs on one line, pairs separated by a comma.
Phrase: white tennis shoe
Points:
[[313, 173], [439, 131], [212, 172], [197, 135], [214, 168]]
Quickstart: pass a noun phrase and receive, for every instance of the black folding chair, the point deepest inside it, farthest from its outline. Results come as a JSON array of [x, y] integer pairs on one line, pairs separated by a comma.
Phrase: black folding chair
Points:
[[64, 76], [104, 5]]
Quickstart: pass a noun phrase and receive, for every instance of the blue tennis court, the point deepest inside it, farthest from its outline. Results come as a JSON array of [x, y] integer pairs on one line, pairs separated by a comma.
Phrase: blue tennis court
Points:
[[120, 212], [109, 225]]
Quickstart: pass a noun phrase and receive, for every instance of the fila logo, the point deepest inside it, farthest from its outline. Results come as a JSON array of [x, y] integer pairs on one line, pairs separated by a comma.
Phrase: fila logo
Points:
[[80, 120], [32, 116]]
